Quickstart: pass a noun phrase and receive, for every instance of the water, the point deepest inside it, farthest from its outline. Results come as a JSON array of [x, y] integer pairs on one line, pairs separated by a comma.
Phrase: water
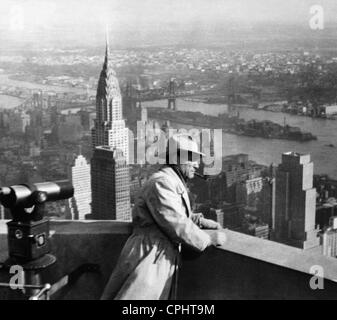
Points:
[[70, 111], [267, 151], [6, 81], [9, 102]]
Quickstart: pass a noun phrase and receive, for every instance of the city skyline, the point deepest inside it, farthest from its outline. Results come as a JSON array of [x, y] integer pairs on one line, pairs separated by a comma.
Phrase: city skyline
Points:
[[86, 135]]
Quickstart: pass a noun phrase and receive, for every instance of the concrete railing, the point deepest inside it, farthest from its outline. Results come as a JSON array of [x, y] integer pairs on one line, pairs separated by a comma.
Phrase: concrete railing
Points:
[[245, 268]]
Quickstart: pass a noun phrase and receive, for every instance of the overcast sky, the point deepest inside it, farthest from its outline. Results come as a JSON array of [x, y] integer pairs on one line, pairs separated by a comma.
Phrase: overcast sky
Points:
[[87, 19]]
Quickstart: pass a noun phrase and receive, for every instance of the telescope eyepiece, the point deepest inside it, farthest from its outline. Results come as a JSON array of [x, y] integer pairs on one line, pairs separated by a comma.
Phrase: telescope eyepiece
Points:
[[5, 191], [27, 195]]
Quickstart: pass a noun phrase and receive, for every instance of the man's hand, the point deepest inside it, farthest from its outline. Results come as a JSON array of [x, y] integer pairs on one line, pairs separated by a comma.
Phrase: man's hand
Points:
[[218, 238], [209, 224]]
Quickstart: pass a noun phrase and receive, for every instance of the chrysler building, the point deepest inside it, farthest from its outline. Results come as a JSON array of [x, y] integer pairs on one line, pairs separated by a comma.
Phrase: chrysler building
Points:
[[109, 127]]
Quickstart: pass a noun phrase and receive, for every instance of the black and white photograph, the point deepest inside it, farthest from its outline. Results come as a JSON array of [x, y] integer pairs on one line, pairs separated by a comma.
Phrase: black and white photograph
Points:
[[174, 150]]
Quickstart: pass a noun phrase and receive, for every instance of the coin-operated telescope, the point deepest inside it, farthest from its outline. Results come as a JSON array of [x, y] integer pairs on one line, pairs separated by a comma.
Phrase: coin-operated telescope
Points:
[[28, 236], [28, 232]]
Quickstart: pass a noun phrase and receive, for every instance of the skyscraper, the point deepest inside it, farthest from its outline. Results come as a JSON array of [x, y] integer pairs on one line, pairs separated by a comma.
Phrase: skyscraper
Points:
[[109, 127], [110, 181], [256, 195], [295, 202], [18, 122], [81, 180], [2, 212], [329, 239]]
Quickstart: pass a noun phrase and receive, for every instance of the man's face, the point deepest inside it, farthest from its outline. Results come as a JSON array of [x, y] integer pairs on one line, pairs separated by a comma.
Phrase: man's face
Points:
[[189, 169]]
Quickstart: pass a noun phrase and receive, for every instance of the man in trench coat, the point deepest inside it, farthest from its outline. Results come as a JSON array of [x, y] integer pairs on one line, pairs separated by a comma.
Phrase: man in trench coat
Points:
[[162, 221]]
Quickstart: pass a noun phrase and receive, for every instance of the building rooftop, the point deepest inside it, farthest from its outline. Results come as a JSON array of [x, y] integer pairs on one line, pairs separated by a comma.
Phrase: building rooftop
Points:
[[244, 268]]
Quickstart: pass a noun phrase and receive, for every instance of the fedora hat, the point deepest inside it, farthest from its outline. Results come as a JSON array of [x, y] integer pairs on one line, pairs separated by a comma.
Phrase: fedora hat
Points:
[[182, 145]]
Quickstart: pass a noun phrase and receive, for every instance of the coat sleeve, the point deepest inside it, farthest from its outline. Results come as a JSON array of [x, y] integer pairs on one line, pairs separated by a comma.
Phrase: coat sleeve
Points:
[[165, 205]]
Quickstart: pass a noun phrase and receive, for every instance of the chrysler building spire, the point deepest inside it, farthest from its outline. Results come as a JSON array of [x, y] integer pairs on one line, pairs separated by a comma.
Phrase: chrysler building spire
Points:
[[107, 49], [108, 97], [109, 127]]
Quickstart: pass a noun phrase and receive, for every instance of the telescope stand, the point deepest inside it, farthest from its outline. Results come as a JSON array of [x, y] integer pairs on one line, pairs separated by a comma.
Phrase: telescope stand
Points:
[[28, 237], [33, 286]]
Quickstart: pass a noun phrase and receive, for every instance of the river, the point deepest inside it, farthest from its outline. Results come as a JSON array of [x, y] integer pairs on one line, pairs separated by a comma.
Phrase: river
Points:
[[9, 102], [267, 151], [6, 81]]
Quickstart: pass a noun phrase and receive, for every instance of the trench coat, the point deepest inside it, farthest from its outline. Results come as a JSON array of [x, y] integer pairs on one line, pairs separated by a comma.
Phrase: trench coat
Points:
[[162, 221]]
